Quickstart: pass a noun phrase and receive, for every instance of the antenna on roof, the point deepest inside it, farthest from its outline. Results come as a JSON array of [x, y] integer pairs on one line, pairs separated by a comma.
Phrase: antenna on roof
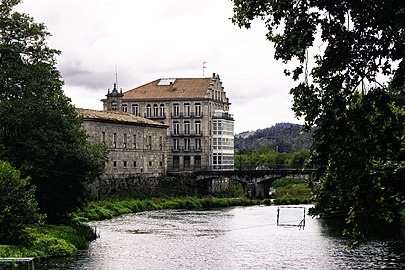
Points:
[[204, 67], [116, 76]]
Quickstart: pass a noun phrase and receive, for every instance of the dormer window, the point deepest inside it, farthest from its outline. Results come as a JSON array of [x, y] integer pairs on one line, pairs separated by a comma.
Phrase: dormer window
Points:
[[114, 105]]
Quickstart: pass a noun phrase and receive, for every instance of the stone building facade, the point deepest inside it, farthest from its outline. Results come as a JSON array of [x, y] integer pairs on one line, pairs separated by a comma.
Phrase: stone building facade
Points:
[[136, 146], [196, 110]]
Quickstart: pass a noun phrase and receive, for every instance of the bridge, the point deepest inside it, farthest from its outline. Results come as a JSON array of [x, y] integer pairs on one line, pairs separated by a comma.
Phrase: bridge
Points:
[[255, 183]]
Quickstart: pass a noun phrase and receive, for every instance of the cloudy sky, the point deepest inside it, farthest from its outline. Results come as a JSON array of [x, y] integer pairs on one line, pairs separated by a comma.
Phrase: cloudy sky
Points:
[[148, 40]]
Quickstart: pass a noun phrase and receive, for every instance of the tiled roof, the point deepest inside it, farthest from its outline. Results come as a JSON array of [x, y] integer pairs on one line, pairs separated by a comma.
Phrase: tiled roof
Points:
[[179, 89], [116, 116]]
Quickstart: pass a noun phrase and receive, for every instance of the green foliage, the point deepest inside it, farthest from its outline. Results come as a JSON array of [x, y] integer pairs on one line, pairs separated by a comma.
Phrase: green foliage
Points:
[[265, 158], [18, 206], [287, 181], [50, 241], [298, 193], [40, 132], [111, 208], [358, 143]]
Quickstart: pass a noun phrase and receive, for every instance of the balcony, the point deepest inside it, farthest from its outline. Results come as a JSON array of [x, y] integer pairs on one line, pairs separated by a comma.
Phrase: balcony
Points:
[[186, 150], [160, 116], [186, 115], [223, 115], [182, 134]]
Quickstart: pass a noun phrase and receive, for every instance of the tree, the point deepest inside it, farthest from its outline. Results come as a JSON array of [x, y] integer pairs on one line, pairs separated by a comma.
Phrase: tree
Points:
[[41, 133], [359, 119], [18, 206]]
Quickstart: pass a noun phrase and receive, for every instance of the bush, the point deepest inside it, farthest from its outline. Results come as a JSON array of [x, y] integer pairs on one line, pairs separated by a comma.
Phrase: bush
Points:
[[18, 206]]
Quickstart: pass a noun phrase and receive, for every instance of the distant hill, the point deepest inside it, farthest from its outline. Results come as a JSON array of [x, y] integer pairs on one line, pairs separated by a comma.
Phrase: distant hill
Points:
[[282, 137]]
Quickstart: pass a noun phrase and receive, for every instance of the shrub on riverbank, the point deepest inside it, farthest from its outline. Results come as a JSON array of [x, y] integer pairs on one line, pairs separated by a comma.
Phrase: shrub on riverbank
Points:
[[291, 191], [50, 241], [107, 209]]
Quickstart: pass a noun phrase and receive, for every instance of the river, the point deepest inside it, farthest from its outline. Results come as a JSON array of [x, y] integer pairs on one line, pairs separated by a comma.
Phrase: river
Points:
[[234, 238]]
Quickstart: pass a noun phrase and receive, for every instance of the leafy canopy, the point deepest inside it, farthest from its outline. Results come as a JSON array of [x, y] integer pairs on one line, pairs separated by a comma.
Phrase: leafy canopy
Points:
[[353, 95], [41, 133]]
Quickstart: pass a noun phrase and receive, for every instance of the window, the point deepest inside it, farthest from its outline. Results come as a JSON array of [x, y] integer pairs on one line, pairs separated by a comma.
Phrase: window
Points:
[[176, 162], [198, 109], [219, 127], [125, 140], [134, 142], [186, 144], [176, 110], [134, 164], [198, 127], [155, 110], [103, 137], [175, 144], [161, 163], [150, 142], [187, 109], [114, 163], [176, 127], [217, 161], [198, 144], [125, 163], [113, 105], [186, 127], [187, 162], [162, 110], [115, 140], [148, 110], [150, 163], [135, 109], [161, 143], [197, 161], [125, 107]]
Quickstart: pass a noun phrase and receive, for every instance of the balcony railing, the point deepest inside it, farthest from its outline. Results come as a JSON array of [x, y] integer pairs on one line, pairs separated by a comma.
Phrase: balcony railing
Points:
[[186, 150], [151, 116], [182, 134], [186, 115], [223, 115]]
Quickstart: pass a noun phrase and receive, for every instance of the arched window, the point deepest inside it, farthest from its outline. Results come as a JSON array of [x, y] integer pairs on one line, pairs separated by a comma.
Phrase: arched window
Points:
[[186, 109], [155, 110], [162, 110], [135, 109], [148, 110], [176, 128]]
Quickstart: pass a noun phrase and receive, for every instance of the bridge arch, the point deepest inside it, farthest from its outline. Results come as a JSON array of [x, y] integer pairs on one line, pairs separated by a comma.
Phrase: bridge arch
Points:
[[255, 184]]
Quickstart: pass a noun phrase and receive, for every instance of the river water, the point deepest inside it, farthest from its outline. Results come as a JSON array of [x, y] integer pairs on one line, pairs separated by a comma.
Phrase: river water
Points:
[[234, 238]]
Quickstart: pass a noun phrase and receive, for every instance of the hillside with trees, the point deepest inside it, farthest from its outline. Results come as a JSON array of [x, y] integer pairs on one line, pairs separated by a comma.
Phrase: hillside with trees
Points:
[[282, 137]]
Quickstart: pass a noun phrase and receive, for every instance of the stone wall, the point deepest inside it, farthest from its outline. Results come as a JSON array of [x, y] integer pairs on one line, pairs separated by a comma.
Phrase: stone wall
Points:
[[136, 155]]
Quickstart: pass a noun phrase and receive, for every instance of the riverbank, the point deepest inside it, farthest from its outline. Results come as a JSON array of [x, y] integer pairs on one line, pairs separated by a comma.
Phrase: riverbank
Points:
[[45, 241], [59, 240], [107, 209]]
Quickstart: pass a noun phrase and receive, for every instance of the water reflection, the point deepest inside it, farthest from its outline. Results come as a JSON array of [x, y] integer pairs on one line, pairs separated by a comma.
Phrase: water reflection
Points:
[[237, 238]]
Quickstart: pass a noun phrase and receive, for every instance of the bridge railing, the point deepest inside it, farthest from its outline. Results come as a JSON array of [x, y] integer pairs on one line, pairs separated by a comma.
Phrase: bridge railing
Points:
[[263, 167], [252, 167]]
